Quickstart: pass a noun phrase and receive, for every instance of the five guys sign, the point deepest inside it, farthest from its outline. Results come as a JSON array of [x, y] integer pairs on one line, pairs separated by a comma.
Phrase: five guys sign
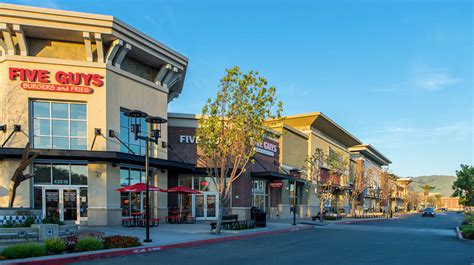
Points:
[[68, 82]]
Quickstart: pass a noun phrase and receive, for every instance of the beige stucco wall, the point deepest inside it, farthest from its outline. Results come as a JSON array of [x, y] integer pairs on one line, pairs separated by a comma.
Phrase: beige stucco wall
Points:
[[124, 92], [15, 101], [22, 199]]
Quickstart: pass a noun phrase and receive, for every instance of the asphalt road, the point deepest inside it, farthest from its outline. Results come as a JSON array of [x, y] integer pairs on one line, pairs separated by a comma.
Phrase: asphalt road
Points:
[[410, 240]]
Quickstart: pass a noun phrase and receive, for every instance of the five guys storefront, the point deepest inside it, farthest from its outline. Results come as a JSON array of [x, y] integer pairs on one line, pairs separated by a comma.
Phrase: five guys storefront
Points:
[[265, 186], [66, 80]]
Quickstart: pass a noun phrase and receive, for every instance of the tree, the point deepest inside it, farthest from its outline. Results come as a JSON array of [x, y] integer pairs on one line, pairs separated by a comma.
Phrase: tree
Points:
[[426, 192], [387, 187], [360, 182], [231, 125], [413, 199], [325, 184], [463, 186]]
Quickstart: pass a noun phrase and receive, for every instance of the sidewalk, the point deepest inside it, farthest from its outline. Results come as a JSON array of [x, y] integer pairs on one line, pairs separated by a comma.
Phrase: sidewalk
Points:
[[309, 221], [177, 233], [166, 236]]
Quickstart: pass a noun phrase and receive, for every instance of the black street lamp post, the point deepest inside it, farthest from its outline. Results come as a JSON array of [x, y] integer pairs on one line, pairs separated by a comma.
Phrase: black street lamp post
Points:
[[294, 172], [152, 135]]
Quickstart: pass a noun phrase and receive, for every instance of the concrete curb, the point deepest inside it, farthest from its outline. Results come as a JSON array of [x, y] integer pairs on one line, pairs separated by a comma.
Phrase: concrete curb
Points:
[[104, 254], [461, 238], [366, 220]]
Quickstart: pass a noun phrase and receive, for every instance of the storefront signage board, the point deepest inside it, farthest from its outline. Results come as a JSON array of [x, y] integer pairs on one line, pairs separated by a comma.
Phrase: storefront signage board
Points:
[[266, 148], [65, 82], [276, 185]]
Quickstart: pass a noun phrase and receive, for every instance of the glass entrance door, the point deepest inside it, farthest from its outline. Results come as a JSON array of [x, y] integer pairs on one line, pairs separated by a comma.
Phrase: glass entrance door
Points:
[[211, 206], [206, 206], [51, 204], [61, 204], [70, 204]]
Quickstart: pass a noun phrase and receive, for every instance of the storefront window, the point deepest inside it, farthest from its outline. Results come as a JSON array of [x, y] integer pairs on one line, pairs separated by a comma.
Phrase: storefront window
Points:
[[38, 198], [131, 202], [60, 174], [137, 146], [259, 193], [58, 125], [83, 204], [62, 189], [42, 174]]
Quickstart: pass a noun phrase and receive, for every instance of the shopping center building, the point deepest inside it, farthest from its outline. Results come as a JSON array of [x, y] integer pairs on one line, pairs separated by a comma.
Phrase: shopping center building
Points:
[[67, 78], [279, 160], [265, 185], [67, 82]]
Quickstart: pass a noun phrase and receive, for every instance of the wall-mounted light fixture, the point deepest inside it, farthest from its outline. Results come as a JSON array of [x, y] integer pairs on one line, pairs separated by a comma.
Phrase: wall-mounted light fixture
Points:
[[16, 128], [97, 132], [3, 128]]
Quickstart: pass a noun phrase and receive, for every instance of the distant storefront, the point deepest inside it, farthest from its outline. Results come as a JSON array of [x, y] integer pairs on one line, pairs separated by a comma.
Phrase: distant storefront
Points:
[[265, 186]]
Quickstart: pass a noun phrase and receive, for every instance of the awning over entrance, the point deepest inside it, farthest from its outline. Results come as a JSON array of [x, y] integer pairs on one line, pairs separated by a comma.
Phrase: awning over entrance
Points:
[[271, 175], [98, 156]]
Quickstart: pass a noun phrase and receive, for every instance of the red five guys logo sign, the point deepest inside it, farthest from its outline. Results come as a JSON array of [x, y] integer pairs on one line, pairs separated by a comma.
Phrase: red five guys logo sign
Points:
[[67, 82]]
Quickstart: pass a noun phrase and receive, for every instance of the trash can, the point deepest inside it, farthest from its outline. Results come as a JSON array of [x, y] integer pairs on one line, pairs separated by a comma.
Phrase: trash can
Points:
[[259, 217]]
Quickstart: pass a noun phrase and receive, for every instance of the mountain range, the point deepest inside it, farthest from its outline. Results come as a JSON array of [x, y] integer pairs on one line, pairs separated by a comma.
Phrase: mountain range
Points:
[[442, 184]]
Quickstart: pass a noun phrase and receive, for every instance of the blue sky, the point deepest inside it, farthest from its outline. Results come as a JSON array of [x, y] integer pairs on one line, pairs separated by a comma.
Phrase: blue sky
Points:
[[397, 74]]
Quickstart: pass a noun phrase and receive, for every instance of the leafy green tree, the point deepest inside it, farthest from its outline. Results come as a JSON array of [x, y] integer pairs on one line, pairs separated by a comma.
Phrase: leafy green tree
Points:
[[464, 185], [231, 125], [324, 186]]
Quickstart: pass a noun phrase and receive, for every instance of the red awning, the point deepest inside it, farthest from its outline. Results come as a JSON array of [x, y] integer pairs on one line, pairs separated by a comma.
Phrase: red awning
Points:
[[183, 190], [139, 187]]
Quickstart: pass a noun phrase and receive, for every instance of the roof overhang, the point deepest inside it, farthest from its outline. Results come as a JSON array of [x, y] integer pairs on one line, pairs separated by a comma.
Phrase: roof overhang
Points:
[[369, 151], [322, 123], [97, 156], [274, 175]]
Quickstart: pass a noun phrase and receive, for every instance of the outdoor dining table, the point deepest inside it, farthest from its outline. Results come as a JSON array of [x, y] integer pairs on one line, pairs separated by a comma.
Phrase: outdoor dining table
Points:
[[137, 217]]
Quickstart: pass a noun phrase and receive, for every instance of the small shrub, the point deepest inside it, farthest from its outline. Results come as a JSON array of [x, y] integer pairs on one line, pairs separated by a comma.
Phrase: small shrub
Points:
[[121, 241], [8, 224], [88, 244], [467, 231], [24, 250], [55, 245], [29, 221], [52, 221], [70, 242], [469, 219]]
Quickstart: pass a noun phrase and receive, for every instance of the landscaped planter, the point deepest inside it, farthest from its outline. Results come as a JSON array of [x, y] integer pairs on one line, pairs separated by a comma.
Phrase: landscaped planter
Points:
[[18, 234], [37, 232]]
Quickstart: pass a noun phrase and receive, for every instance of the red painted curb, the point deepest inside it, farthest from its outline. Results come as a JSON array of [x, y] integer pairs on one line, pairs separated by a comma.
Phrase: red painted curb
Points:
[[139, 250], [366, 221]]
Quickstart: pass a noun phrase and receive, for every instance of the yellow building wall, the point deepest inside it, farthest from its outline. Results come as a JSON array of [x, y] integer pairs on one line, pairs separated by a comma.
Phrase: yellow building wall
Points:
[[293, 149]]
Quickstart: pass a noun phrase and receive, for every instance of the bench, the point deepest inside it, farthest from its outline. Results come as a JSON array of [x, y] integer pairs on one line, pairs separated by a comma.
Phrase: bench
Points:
[[18, 235], [328, 216], [227, 221]]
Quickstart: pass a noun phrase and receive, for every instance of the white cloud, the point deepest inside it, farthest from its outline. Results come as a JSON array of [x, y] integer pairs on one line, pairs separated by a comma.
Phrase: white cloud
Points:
[[431, 78], [436, 81]]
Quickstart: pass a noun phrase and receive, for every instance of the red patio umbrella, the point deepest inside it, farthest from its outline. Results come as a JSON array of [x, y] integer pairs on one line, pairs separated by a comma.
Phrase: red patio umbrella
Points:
[[182, 190], [139, 187]]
